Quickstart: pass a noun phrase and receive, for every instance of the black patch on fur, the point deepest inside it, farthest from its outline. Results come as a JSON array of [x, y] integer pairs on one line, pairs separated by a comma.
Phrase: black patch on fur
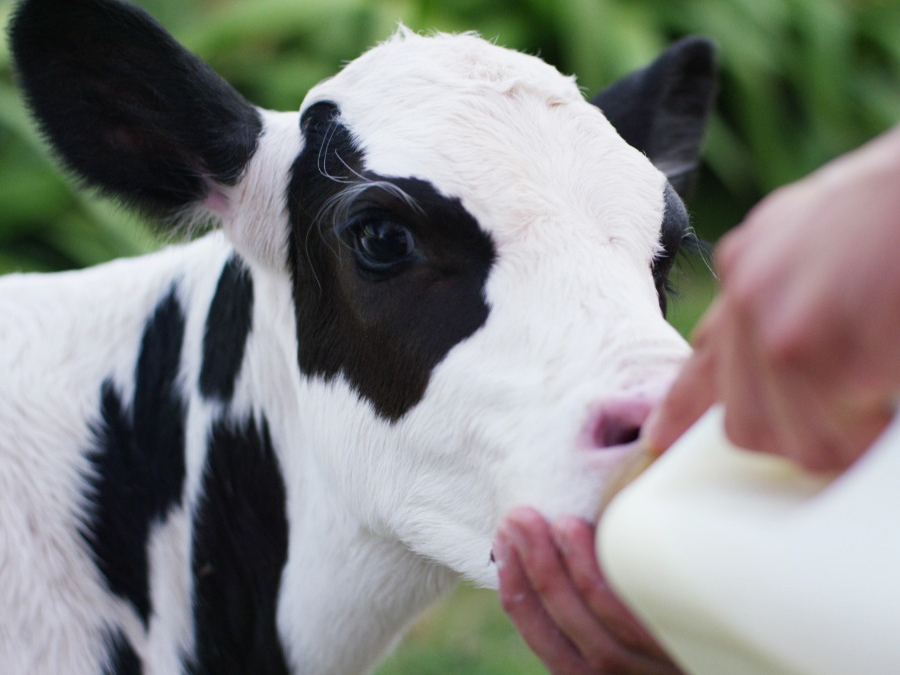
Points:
[[385, 335], [127, 108], [674, 234], [122, 658], [227, 329], [239, 550], [138, 460]]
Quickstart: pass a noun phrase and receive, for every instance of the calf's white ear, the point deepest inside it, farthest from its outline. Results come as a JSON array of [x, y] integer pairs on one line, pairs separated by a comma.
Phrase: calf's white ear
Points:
[[664, 109], [128, 109]]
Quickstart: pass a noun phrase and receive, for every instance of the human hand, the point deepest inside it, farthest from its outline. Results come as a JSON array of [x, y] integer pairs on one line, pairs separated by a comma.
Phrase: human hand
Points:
[[554, 592], [803, 343]]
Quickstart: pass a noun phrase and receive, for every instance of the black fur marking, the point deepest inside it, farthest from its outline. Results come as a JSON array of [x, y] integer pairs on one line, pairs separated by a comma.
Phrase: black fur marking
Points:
[[227, 329], [122, 658], [663, 109], [239, 551], [675, 233], [138, 461], [385, 334], [127, 108]]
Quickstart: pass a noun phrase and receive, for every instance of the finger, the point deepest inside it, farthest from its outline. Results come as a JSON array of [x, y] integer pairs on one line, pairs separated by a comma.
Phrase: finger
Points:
[[847, 430], [575, 541], [791, 406], [526, 611], [692, 393], [795, 421], [860, 435], [734, 246], [548, 576], [745, 423], [768, 221], [740, 377], [729, 249], [801, 425]]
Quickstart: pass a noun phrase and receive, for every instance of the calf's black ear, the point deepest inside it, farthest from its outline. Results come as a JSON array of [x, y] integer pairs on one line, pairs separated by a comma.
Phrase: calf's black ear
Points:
[[126, 107], [664, 109]]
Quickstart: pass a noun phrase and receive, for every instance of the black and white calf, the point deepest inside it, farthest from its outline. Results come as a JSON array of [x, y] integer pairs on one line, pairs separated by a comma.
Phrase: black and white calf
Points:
[[435, 294]]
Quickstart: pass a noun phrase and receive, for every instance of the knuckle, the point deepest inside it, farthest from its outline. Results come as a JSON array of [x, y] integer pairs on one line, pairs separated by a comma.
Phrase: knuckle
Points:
[[544, 585], [787, 343], [825, 457], [586, 588], [510, 601], [586, 581], [629, 637], [742, 294], [727, 252]]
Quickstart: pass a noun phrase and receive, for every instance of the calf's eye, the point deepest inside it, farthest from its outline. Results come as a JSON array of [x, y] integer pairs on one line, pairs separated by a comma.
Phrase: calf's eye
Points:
[[382, 245]]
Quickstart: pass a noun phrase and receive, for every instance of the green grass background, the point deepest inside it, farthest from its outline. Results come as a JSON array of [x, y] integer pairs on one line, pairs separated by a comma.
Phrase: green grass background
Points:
[[802, 81]]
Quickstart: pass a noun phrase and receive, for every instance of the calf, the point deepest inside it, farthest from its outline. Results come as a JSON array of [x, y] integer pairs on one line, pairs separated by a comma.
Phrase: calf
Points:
[[434, 294]]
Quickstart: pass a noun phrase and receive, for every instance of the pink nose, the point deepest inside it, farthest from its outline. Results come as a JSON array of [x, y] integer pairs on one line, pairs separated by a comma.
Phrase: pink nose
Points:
[[618, 421]]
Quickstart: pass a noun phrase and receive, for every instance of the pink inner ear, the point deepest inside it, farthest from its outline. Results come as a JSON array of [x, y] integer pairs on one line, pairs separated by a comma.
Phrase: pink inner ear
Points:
[[216, 201]]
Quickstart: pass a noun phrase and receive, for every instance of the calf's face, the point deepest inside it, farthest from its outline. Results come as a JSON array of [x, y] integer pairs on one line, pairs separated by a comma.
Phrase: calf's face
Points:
[[476, 254], [485, 244]]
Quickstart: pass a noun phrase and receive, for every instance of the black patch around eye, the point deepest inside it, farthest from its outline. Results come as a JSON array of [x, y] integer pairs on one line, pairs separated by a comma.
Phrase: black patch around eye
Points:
[[228, 326], [238, 553], [138, 460], [383, 332], [123, 660]]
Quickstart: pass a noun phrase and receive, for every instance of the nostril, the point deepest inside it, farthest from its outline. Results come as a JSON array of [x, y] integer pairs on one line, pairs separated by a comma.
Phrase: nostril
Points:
[[615, 433], [618, 422]]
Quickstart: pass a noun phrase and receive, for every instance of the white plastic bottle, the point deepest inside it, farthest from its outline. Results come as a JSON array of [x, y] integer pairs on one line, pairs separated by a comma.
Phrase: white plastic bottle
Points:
[[742, 563]]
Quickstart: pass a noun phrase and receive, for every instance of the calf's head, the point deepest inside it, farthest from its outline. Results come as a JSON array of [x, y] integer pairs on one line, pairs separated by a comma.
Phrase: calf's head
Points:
[[477, 256]]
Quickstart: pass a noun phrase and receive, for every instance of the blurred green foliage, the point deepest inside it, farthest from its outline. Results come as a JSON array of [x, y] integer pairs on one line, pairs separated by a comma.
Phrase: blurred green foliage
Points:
[[802, 81]]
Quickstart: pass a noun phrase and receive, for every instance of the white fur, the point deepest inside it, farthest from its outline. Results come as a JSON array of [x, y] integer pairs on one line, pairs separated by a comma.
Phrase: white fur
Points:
[[383, 517]]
